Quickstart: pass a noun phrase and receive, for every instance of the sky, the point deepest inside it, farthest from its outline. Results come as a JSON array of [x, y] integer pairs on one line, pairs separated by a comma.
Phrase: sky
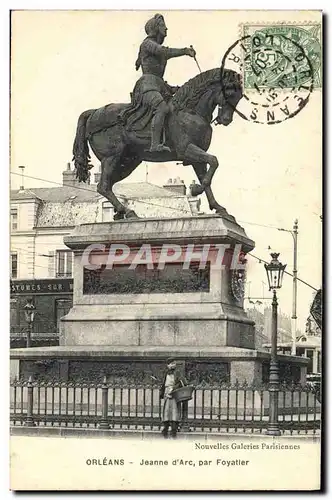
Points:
[[64, 62]]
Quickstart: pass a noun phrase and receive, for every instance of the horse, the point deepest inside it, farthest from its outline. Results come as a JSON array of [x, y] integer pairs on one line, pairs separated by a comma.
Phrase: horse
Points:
[[188, 133]]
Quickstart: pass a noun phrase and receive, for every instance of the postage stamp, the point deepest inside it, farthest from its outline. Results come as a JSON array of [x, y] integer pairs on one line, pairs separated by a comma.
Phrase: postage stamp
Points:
[[159, 340], [277, 75], [264, 41]]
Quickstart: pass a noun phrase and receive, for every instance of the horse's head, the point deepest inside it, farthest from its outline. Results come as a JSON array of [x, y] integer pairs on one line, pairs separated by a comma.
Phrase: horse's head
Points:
[[207, 90], [231, 93]]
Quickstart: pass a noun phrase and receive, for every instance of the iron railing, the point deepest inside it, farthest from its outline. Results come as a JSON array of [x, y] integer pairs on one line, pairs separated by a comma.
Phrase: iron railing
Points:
[[224, 408]]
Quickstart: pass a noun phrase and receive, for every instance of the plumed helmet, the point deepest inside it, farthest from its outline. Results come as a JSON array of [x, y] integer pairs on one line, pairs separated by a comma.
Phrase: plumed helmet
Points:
[[151, 27]]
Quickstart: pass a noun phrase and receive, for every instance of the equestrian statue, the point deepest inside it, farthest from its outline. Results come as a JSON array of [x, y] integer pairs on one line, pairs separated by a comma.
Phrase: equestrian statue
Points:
[[161, 123]]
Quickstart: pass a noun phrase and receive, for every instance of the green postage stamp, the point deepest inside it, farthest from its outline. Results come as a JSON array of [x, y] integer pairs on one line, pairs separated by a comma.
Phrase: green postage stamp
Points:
[[269, 53]]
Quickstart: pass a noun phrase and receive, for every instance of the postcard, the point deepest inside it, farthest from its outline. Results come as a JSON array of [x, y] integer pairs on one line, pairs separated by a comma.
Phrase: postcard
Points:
[[166, 250]]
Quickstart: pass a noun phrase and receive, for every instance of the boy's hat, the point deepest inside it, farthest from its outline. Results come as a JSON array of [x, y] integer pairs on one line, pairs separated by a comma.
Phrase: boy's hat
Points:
[[170, 360]]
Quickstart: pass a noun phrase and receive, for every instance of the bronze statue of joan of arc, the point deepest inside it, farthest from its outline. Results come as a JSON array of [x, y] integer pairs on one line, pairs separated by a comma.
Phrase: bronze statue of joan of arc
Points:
[[160, 124], [151, 93]]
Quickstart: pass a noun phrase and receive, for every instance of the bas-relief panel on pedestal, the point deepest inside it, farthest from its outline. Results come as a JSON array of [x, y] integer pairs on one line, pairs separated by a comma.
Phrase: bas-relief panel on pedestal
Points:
[[120, 279], [143, 373]]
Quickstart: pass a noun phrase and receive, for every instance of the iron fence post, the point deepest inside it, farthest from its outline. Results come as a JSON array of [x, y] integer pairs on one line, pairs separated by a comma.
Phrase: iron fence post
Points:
[[184, 405], [29, 421], [104, 406], [27, 407], [184, 424]]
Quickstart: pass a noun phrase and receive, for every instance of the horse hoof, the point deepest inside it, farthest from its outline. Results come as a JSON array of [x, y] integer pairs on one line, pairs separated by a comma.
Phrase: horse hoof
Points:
[[197, 189], [221, 211], [119, 216], [131, 215]]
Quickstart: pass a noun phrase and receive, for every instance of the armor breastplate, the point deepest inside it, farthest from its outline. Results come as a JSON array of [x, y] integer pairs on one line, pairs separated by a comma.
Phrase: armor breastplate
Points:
[[152, 65]]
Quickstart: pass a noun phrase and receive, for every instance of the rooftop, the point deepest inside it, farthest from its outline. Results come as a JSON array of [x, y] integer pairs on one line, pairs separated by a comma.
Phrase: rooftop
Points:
[[76, 203], [88, 192], [307, 341]]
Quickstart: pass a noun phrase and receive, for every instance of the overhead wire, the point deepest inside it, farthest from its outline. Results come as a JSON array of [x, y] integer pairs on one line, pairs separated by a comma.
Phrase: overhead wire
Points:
[[15, 249], [257, 258], [286, 272], [172, 208], [47, 268], [92, 191], [270, 226], [35, 265]]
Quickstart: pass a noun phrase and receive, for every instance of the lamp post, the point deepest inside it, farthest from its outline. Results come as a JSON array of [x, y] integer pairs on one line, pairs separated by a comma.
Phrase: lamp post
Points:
[[294, 233], [274, 271], [29, 311]]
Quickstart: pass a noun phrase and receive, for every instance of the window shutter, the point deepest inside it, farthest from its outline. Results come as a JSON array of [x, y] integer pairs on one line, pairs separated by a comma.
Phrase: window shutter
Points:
[[69, 270], [51, 264]]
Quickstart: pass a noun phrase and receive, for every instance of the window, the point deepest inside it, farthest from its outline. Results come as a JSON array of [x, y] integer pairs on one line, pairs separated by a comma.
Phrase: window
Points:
[[13, 315], [310, 355], [13, 265], [13, 219], [108, 211], [64, 263]]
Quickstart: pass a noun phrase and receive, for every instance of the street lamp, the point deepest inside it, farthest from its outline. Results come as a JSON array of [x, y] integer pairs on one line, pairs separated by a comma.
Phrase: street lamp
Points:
[[294, 233], [275, 271], [29, 311]]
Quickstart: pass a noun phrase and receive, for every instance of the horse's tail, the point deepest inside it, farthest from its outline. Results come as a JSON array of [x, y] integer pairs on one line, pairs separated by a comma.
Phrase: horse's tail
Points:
[[81, 155]]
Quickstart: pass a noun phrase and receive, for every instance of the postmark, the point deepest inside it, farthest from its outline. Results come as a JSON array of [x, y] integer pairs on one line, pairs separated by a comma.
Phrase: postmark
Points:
[[308, 36], [281, 76]]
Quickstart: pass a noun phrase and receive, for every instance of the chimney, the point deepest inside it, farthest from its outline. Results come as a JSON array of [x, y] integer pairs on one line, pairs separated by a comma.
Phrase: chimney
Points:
[[193, 200], [191, 187], [97, 175], [22, 167], [69, 177], [177, 186]]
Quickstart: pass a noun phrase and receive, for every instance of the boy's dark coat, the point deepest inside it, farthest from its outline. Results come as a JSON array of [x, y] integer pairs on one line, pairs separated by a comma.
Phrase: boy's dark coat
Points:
[[180, 381]]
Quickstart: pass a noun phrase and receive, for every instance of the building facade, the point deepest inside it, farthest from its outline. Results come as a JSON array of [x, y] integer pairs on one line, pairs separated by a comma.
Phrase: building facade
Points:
[[263, 326], [40, 218], [308, 345]]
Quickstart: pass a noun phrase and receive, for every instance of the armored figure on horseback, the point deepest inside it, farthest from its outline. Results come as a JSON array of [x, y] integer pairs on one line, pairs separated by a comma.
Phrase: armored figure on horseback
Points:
[[123, 135], [151, 93]]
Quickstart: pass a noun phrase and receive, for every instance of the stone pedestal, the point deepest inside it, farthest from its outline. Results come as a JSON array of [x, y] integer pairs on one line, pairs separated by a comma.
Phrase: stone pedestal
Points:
[[152, 305], [212, 365], [126, 322]]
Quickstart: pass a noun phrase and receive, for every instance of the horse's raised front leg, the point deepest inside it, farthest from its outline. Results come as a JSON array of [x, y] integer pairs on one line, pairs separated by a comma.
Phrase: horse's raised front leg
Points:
[[194, 154], [201, 170], [109, 167]]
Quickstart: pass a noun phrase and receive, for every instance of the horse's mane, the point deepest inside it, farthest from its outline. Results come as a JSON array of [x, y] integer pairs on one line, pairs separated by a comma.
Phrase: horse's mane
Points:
[[188, 95]]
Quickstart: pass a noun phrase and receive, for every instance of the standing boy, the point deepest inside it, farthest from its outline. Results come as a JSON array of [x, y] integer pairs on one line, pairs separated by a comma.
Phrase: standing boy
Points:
[[171, 410]]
